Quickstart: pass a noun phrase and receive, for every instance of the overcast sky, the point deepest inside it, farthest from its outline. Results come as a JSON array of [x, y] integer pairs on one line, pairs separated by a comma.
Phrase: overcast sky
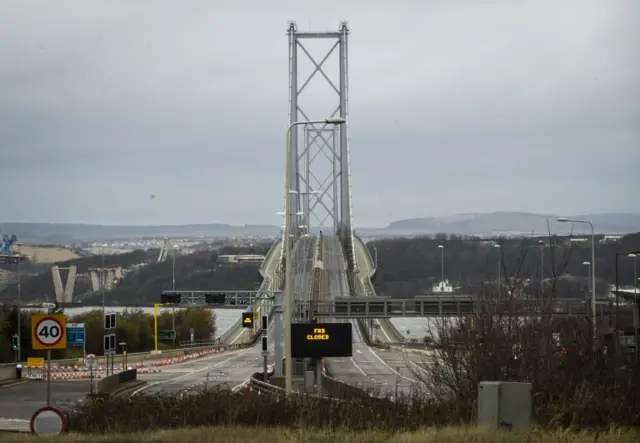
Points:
[[454, 107]]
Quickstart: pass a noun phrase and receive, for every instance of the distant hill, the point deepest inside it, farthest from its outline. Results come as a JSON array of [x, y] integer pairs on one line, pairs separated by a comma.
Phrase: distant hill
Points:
[[515, 223], [465, 224], [69, 233]]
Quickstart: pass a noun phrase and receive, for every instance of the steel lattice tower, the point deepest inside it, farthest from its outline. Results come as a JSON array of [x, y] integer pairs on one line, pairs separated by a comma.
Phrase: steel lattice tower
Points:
[[322, 200]]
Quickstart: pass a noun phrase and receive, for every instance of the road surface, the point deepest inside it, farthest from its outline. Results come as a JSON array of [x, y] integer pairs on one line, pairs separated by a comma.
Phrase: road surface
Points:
[[22, 400]]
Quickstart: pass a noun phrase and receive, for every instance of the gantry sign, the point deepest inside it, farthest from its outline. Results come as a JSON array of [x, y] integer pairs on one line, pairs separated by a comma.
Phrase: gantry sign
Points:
[[385, 307], [227, 298]]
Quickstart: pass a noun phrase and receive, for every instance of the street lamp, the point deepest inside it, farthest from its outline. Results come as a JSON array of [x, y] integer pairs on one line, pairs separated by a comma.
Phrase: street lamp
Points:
[[588, 263], [375, 251], [542, 246], [288, 290], [635, 300], [19, 303], [593, 275], [499, 270], [441, 247]]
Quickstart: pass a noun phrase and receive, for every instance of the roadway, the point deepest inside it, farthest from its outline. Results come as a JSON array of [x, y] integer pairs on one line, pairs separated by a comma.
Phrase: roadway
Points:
[[228, 368], [22, 400], [388, 332], [235, 334], [367, 368]]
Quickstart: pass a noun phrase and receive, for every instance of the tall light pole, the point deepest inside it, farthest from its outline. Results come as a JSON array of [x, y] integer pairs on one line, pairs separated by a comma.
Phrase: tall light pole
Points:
[[588, 264], [103, 279], [288, 283], [542, 246], [19, 302], [375, 251], [441, 247], [593, 275], [499, 271], [635, 300]]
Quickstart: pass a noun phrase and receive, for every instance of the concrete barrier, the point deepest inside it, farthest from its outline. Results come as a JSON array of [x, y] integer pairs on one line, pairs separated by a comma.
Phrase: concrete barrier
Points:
[[8, 372], [113, 382]]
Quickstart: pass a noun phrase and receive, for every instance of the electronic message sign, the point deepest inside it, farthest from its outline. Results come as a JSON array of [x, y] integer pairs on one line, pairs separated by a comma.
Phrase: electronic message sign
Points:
[[321, 340]]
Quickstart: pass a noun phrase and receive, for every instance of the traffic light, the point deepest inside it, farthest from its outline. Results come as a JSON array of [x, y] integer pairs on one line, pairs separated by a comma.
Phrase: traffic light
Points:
[[265, 321], [110, 320], [14, 342], [218, 298], [172, 298]]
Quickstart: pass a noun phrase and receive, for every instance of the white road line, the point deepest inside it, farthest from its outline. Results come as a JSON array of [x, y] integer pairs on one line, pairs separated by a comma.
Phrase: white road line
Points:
[[358, 367], [392, 370], [190, 373], [383, 331]]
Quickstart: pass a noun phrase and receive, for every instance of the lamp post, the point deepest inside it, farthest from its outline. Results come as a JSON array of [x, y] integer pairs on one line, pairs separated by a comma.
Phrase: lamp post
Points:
[[499, 270], [375, 251], [593, 275], [441, 247], [288, 290], [588, 264], [542, 246], [635, 300], [19, 303]]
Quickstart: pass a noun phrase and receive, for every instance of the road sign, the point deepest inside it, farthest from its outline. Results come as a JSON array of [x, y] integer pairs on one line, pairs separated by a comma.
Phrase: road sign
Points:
[[408, 331], [247, 320], [167, 335], [321, 340], [35, 362], [48, 331], [48, 421], [75, 334], [91, 361]]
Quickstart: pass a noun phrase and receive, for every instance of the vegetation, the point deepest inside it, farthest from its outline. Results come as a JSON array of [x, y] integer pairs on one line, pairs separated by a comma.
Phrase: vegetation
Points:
[[133, 327], [264, 435], [194, 271], [199, 270], [409, 267]]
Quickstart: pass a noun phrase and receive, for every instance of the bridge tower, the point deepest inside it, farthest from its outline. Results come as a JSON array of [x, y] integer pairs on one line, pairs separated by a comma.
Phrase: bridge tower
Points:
[[320, 168]]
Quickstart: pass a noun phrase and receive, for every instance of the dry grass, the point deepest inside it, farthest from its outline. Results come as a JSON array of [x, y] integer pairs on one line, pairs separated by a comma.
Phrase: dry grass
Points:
[[39, 254], [264, 435]]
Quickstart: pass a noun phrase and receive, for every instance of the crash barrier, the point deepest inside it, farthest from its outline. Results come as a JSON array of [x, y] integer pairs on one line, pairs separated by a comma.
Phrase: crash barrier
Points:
[[111, 383], [338, 389]]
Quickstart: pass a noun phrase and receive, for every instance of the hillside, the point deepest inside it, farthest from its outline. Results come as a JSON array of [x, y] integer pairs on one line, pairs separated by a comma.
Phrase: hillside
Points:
[[465, 224], [40, 286], [514, 223], [409, 267], [194, 271]]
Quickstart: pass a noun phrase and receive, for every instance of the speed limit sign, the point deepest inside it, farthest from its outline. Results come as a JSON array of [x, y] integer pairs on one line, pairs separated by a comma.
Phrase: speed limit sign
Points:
[[48, 331]]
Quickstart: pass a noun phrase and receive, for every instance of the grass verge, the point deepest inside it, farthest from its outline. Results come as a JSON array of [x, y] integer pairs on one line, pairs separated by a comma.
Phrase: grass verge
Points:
[[264, 435]]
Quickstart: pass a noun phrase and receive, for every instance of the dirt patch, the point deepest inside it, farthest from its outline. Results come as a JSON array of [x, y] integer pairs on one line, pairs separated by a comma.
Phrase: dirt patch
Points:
[[38, 254]]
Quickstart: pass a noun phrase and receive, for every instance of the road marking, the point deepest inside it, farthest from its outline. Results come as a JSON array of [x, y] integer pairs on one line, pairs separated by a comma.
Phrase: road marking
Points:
[[383, 331], [190, 373], [392, 370], [358, 366]]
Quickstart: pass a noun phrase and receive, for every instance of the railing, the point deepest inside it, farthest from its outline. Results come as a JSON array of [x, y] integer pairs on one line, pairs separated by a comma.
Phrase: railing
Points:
[[260, 386], [381, 307]]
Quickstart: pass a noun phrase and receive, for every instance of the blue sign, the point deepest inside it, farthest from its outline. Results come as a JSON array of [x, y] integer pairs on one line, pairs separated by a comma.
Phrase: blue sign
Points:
[[408, 331], [75, 334]]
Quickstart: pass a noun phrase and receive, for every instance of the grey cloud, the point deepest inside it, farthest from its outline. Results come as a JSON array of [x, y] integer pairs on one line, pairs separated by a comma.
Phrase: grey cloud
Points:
[[455, 106]]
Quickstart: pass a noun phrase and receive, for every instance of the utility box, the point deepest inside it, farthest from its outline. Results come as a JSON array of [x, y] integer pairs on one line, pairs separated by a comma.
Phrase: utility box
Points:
[[504, 405]]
